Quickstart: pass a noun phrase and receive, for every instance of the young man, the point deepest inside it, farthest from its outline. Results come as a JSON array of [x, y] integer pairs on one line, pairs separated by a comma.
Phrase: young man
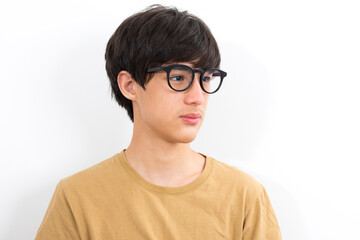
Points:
[[162, 65]]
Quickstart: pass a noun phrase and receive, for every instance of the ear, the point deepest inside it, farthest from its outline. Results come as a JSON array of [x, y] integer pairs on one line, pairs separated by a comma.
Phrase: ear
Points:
[[127, 85]]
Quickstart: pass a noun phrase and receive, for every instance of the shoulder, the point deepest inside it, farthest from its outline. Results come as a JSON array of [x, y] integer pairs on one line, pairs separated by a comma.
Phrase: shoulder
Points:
[[253, 200], [246, 186], [93, 177], [236, 175]]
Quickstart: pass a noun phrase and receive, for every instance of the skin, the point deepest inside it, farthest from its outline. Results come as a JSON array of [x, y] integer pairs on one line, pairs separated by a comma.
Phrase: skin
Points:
[[159, 150]]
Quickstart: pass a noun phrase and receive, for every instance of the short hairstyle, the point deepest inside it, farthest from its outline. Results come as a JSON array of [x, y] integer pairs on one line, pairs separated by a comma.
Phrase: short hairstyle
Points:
[[151, 38]]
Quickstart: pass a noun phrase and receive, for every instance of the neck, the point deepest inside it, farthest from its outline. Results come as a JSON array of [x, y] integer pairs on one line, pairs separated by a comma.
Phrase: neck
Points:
[[163, 163]]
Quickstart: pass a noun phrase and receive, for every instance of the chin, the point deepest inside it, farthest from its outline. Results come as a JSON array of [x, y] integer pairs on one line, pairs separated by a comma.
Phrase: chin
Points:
[[184, 137], [187, 140]]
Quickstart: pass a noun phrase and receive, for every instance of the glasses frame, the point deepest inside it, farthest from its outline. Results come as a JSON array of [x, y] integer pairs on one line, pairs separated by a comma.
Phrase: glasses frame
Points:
[[168, 69]]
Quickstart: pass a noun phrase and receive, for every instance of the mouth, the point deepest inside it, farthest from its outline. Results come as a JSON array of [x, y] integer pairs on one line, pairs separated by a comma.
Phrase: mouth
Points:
[[191, 118]]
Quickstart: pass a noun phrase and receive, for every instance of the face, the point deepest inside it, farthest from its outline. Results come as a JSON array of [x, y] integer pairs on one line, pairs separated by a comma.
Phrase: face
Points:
[[164, 113]]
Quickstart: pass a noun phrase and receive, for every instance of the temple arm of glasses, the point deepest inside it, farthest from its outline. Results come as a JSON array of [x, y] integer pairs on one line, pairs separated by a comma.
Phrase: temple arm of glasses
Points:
[[155, 69]]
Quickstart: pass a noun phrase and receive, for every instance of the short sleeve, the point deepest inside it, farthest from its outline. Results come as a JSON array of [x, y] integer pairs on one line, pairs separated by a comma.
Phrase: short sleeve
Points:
[[59, 222], [260, 221]]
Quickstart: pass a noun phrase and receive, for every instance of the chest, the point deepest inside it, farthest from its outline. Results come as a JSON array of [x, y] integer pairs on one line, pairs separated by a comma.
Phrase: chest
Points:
[[138, 214]]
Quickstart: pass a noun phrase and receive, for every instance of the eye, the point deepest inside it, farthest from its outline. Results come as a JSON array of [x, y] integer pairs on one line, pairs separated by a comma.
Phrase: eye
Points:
[[210, 75], [206, 79], [177, 78]]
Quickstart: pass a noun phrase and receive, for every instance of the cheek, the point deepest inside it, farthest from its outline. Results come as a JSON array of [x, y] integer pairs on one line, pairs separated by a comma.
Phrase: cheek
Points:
[[160, 107], [166, 110], [206, 100]]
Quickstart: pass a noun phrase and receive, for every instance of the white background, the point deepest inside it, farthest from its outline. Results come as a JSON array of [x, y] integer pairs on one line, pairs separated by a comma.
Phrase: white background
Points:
[[288, 112]]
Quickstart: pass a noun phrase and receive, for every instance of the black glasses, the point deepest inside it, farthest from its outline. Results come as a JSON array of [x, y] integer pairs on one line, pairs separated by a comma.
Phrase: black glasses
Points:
[[180, 77]]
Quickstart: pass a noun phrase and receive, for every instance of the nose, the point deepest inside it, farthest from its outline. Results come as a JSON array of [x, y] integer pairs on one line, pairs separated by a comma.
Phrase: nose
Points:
[[195, 95]]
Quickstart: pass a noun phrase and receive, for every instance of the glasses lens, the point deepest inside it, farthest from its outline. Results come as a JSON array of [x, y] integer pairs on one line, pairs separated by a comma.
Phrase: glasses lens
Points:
[[180, 77], [211, 80]]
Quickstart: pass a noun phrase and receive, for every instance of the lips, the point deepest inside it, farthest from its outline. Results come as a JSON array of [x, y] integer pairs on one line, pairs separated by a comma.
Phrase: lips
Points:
[[192, 118]]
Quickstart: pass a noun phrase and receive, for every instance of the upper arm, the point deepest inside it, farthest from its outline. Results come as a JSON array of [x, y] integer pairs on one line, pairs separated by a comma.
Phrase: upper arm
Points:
[[59, 221], [260, 222]]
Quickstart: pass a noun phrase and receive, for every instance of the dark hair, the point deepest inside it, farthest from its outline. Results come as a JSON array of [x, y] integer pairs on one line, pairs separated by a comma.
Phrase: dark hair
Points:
[[152, 38]]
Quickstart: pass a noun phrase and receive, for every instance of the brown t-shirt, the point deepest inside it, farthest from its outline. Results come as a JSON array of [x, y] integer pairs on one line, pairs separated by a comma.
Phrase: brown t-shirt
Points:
[[112, 201]]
